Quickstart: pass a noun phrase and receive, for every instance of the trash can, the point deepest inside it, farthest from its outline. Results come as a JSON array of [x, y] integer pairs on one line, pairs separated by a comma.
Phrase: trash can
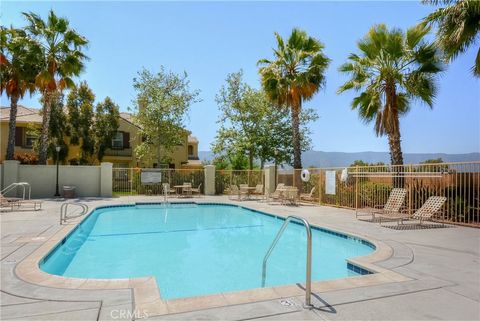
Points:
[[69, 191]]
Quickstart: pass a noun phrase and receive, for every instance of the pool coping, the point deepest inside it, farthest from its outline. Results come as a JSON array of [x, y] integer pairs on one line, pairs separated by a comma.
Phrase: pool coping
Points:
[[147, 295]]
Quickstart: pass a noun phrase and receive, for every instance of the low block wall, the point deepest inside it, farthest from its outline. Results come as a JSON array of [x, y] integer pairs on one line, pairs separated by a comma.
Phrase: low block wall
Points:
[[42, 179], [90, 181]]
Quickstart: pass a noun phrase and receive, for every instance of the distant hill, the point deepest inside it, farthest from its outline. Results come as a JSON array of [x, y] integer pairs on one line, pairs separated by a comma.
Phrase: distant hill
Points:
[[339, 159]]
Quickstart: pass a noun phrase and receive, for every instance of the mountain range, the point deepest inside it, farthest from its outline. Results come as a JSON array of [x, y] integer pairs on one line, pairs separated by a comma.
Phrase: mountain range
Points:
[[340, 159]]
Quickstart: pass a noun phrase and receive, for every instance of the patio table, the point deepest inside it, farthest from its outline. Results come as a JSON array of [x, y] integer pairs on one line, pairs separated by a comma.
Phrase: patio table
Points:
[[180, 188], [248, 190]]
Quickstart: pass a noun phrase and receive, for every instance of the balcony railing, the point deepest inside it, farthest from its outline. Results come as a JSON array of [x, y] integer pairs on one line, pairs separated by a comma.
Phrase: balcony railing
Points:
[[119, 152]]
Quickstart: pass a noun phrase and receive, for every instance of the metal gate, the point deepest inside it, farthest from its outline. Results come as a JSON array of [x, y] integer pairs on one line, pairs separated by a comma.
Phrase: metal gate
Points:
[[148, 181]]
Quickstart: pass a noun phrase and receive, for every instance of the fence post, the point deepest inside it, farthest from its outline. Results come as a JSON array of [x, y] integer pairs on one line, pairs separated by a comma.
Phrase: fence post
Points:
[[356, 188], [410, 192], [320, 187], [210, 180], [106, 171], [269, 179]]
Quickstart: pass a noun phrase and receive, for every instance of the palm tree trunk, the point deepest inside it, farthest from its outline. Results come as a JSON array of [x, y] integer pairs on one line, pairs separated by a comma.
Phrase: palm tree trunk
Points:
[[396, 158], [43, 143], [394, 141], [396, 155], [297, 151], [11, 127]]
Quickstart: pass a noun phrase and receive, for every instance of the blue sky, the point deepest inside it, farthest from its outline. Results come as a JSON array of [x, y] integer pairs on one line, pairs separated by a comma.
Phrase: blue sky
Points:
[[209, 40]]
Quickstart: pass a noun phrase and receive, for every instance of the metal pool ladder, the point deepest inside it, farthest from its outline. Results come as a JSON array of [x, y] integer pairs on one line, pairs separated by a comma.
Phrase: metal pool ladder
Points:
[[308, 281], [64, 209]]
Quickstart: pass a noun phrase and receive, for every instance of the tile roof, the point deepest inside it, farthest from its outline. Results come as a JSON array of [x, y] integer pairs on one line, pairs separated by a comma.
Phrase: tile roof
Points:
[[24, 114], [32, 115], [192, 139]]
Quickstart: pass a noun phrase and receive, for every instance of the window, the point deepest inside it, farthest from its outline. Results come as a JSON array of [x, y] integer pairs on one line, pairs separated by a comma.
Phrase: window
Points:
[[190, 150], [29, 140], [117, 141]]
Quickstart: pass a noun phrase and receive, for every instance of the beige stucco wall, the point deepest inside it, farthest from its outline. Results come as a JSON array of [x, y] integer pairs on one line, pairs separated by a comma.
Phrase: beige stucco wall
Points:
[[4, 140], [178, 156], [135, 139], [42, 179]]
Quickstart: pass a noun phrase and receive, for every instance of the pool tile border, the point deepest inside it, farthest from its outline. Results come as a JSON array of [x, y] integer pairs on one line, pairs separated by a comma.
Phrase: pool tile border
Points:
[[147, 295]]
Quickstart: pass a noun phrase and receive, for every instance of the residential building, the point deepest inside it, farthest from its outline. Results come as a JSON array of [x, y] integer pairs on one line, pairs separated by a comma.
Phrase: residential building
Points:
[[121, 153]]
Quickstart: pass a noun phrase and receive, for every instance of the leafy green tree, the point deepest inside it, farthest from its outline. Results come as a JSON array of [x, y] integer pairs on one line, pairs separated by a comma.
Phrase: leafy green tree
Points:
[[61, 58], [231, 161], [80, 102], [458, 27], [251, 125], [392, 70], [361, 163], [106, 124], [433, 165], [18, 67], [294, 76], [57, 129], [433, 161], [238, 121], [162, 104]]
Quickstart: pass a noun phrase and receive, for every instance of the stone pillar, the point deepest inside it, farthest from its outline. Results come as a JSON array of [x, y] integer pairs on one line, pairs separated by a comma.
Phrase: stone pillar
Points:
[[10, 175], [106, 179], [269, 179], [210, 180]]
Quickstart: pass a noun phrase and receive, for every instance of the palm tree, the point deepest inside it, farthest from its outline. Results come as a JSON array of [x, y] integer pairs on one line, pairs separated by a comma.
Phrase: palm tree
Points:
[[393, 69], [62, 58], [294, 76], [18, 67], [458, 27]]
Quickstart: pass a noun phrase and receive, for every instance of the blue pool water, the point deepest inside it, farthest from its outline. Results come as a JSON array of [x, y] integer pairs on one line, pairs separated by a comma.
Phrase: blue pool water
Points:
[[198, 249]]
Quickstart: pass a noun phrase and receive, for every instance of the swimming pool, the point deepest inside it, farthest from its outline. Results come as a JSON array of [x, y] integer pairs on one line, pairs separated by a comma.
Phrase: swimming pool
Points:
[[198, 249]]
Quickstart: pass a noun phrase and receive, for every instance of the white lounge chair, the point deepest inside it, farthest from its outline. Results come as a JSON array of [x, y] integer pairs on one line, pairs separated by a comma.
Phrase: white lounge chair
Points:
[[308, 196], [431, 207], [392, 206], [277, 195]]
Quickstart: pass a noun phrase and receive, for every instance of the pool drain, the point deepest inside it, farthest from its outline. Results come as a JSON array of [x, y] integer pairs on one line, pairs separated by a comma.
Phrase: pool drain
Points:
[[286, 303]]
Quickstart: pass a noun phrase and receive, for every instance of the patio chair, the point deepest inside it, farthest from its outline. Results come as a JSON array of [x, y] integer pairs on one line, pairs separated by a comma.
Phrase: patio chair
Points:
[[392, 206], [431, 207], [277, 195], [290, 196], [234, 191], [197, 190], [170, 191], [12, 202], [187, 189], [308, 196], [243, 191], [37, 205], [258, 190]]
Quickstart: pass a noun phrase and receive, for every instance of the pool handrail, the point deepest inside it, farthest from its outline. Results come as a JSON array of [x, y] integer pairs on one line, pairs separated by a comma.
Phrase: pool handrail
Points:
[[15, 185], [64, 207], [308, 281]]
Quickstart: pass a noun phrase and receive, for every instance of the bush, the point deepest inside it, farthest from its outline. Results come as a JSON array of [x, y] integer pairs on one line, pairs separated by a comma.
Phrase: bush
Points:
[[26, 158]]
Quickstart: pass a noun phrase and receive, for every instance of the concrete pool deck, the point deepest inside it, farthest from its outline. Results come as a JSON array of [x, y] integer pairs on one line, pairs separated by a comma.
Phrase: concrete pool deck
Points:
[[439, 271]]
